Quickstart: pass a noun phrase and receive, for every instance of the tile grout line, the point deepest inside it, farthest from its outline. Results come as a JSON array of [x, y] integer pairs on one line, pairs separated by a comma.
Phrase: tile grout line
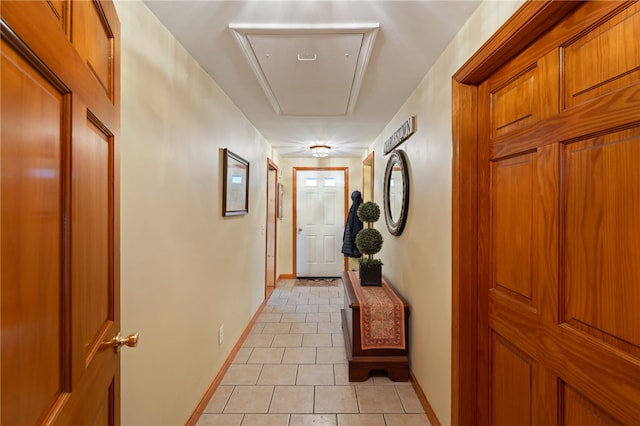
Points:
[[327, 354]]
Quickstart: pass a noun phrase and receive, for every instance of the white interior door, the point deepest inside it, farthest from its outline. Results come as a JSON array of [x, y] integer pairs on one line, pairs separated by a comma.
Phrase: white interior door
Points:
[[320, 220]]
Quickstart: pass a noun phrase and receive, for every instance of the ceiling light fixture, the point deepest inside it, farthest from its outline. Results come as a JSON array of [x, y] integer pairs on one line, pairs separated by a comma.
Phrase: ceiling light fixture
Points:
[[320, 150]]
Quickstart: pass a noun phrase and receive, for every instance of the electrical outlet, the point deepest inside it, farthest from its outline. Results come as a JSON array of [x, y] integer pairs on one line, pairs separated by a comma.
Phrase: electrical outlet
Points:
[[220, 334]]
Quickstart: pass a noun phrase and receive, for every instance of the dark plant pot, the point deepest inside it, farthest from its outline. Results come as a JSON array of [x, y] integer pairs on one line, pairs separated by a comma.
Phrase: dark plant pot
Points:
[[371, 275]]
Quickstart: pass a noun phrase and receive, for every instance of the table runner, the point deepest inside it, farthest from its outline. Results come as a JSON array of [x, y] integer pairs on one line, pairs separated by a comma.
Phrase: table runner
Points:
[[381, 315]]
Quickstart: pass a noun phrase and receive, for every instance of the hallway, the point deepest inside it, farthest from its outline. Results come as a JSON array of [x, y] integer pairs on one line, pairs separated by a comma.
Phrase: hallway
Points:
[[292, 370]]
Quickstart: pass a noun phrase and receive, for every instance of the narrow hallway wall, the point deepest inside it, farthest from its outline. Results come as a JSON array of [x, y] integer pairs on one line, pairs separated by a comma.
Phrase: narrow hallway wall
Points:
[[184, 267]]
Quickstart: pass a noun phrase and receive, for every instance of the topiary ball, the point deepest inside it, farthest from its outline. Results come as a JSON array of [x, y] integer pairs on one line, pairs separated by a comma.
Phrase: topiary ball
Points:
[[369, 241], [369, 212]]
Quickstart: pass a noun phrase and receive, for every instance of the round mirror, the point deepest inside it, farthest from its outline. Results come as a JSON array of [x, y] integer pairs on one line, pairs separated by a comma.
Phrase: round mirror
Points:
[[396, 191]]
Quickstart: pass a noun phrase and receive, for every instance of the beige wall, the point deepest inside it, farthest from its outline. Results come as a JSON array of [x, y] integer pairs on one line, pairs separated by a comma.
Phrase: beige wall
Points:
[[418, 262], [183, 265], [285, 224]]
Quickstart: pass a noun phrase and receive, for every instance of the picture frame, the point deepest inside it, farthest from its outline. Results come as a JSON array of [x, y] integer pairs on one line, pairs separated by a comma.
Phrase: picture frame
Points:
[[235, 184]]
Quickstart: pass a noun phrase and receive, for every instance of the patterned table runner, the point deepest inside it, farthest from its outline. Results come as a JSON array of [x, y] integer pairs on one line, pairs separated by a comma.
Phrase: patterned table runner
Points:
[[381, 315]]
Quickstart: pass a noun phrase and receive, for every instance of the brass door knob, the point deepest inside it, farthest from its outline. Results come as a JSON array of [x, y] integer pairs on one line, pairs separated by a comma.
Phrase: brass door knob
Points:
[[118, 341]]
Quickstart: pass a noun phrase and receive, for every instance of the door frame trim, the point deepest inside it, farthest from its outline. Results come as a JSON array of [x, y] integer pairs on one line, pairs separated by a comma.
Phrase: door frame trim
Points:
[[271, 166], [294, 214], [526, 25]]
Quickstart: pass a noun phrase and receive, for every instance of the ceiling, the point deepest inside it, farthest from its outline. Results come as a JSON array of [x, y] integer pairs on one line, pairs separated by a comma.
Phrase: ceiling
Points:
[[315, 72]]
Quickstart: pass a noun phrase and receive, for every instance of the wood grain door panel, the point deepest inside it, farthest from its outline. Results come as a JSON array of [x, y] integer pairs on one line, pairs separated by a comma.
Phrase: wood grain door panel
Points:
[[559, 227], [60, 219], [579, 411], [512, 226], [94, 41], [603, 60], [92, 239], [34, 333], [511, 384], [602, 238]]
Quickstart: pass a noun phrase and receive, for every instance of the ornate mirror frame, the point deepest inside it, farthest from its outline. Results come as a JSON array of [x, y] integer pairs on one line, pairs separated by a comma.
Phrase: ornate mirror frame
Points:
[[397, 165]]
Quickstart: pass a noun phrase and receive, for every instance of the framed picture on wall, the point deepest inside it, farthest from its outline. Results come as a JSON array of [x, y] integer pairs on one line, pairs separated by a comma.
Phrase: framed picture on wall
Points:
[[235, 184]]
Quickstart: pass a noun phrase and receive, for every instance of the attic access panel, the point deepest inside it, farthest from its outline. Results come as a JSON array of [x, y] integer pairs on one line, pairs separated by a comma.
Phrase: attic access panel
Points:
[[309, 71], [309, 74]]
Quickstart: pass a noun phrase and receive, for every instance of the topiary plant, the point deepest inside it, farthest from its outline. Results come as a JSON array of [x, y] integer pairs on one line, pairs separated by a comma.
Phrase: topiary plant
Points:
[[369, 212], [369, 241]]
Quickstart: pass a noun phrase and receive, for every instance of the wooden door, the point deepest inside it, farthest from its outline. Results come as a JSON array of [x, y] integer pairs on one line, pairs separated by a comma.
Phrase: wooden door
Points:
[[59, 222], [559, 226], [272, 209]]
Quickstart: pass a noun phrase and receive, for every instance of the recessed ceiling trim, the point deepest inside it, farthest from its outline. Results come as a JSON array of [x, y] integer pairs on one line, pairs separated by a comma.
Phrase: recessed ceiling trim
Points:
[[367, 30], [241, 38], [363, 61], [304, 28]]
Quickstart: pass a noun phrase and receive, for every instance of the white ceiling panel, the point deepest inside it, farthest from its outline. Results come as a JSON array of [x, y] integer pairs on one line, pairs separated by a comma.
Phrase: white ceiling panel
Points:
[[308, 70], [309, 74], [291, 112]]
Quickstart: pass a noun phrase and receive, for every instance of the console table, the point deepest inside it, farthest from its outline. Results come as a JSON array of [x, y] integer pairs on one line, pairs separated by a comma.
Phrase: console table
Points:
[[362, 361]]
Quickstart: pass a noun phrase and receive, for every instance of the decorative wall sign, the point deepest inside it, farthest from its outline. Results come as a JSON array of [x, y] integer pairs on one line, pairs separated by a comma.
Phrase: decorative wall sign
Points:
[[402, 134]]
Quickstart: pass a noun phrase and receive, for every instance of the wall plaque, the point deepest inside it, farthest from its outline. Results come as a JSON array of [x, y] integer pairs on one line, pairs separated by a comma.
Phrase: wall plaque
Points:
[[402, 134]]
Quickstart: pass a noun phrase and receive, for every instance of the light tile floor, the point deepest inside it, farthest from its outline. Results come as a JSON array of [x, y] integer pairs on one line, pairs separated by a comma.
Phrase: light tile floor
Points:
[[292, 371]]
